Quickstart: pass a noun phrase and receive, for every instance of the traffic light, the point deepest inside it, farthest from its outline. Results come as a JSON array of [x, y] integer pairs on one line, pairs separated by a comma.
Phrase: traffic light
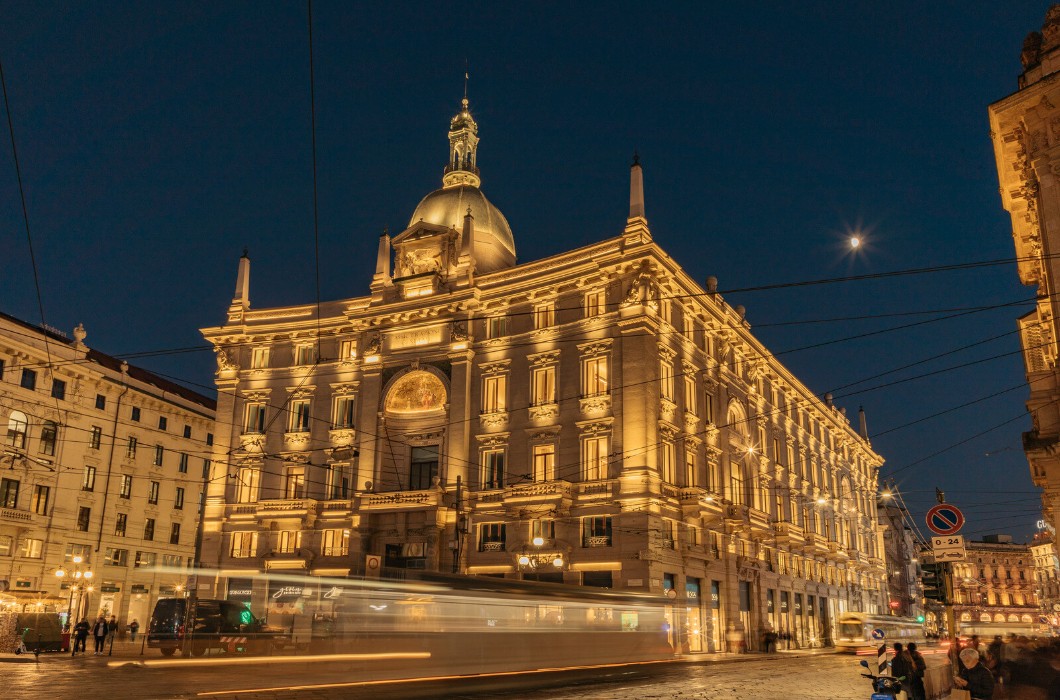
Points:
[[920, 618], [933, 575]]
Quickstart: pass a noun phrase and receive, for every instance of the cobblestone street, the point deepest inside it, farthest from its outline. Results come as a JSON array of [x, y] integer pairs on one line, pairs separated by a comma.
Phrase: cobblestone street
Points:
[[751, 677]]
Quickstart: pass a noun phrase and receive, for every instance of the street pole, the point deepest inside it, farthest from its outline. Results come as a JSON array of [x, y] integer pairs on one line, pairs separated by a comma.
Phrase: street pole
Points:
[[193, 583]]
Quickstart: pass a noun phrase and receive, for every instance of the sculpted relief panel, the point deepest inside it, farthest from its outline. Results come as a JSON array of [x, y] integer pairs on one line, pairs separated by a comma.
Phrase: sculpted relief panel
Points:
[[416, 392]]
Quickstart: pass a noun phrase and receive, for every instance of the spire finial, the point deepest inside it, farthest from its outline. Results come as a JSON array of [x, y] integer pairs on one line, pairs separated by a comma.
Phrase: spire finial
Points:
[[467, 76], [636, 157]]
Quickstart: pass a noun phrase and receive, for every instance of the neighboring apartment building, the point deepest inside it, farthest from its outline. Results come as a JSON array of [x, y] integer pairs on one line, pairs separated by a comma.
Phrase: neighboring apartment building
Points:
[[1025, 128], [905, 592], [995, 590], [101, 460], [594, 418], [1047, 577]]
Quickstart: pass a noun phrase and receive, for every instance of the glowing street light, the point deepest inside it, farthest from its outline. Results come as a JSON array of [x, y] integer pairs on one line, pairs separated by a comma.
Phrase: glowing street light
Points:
[[855, 242]]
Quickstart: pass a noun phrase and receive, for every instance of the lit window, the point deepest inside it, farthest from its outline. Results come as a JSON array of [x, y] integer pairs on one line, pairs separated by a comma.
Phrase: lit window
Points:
[[116, 557], [542, 386], [305, 355], [594, 376], [152, 493], [32, 548], [545, 529], [594, 304], [342, 416], [690, 393], [255, 414], [294, 483], [40, 499], [493, 469], [496, 327], [9, 493], [120, 521], [247, 488], [594, 457], [544, 316], [494, 389], [335, 543], [145, 559], [149, 529], [178, 500], [491, 537], [288, 541], [88, 481], [544, 462], [596, 531], [347, 350], [244, 544], [669, 462], [259, 358], [299, 422], [125, 486], [339, 480], [130, 449], [691, 475], [666, 379]]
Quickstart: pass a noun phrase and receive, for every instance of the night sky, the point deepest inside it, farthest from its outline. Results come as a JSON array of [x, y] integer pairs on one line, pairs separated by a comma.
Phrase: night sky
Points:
[[156, 140]]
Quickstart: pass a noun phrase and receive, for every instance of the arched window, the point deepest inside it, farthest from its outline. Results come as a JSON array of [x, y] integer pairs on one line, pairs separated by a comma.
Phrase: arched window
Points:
[[16, 429], [966, 617], [997, 618], [985, 617]]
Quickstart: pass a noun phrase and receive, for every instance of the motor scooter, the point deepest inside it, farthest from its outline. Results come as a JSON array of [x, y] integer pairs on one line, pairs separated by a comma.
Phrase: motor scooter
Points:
[[883, 687]]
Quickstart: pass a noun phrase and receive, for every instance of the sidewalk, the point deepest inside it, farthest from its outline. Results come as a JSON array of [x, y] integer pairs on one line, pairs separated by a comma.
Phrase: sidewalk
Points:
[[728, 657]]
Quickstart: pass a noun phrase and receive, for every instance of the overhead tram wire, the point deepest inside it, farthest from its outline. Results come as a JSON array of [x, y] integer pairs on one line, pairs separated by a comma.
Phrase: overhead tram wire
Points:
[[313, 135]]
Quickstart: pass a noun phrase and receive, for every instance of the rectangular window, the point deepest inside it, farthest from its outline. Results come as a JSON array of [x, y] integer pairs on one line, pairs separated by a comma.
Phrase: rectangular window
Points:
[[206, 468], [542, 386], [594, 304], [491, 537], [496, 327], [144, 559], [40, 499], [182, 465], [174, 533], [255, 422], [7, 543], [423, 467], [244, 544], [187, 431], [335, 543], [594, 457], [294, 483], [544, 316], [163, 422], [494, 390], [669, 462], [16, 429], [84, 518], [493, 469], [96, 438], [596, 531], [135, 414], [120, 522], [339, 480], [116, 557], [49, 433], [29, 379], [691, 474], [149, 529], [288, 541], [347, 350], [544, 462], [9, 493], [101, 402], [58, 389], [247, 487], [666, 379], [209, 439], [32, 549], [125, 486], [305, 355], [172, 561], [544, 529], [160, 453], [342, 415], [88, 480], [299, 416], [594, 376], [259, 358], [130, 450], [152, 493], [1, 370], [690, 394], [79, 552], [178, 499], [708, 408]]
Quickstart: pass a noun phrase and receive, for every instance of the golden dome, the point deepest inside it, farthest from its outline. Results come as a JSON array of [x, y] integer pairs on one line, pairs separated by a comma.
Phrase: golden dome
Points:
[[493, 237]]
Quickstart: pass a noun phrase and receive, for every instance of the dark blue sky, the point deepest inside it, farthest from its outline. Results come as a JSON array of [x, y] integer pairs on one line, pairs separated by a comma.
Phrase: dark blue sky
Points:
[[158, 139]]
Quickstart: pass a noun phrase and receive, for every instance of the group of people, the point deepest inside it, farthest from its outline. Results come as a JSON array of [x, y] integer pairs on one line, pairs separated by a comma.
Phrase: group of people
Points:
[[1022, 667], [909, 663], [101, 630]]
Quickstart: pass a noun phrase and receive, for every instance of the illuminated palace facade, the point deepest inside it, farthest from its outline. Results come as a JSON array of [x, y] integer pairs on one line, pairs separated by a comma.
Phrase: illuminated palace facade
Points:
[[596, 418]]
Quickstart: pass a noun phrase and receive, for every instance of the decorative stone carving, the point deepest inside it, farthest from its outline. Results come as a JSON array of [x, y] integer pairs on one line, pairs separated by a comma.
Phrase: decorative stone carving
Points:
[[597, 404], [459, 332], [493, 421], [543, 412], [224, 362], [667, 409], [416, 392], [373, 345]]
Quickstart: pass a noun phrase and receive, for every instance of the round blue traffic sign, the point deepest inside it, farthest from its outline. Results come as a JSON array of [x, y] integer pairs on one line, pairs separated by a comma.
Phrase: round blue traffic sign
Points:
[[877, 634], [945, 519]]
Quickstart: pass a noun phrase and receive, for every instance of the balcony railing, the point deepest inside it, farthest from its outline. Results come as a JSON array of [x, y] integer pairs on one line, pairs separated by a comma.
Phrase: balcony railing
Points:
[[491, 547], [597, 541]]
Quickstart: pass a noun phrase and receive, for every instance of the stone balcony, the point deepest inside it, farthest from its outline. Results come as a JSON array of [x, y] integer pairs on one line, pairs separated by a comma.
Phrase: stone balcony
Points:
[[398, 501], [553, 493], [590, 491], [21, 517], [787, 532]]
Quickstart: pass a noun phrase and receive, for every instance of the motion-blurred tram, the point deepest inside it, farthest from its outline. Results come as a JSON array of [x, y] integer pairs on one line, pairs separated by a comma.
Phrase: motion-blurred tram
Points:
[[855, 631], [439, 625]]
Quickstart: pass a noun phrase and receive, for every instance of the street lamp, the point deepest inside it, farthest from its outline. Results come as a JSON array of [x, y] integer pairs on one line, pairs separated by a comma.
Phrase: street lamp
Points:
[[80, 578]]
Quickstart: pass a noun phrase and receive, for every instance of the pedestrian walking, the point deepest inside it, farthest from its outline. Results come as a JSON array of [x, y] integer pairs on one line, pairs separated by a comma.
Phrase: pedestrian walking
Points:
[[917, 691], [134, 627], [112, 629], [902, 663], [81, 630], [99, 633]]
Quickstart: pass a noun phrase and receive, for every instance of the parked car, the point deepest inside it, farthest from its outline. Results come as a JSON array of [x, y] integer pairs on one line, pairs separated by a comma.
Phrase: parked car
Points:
[[217, 624]]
